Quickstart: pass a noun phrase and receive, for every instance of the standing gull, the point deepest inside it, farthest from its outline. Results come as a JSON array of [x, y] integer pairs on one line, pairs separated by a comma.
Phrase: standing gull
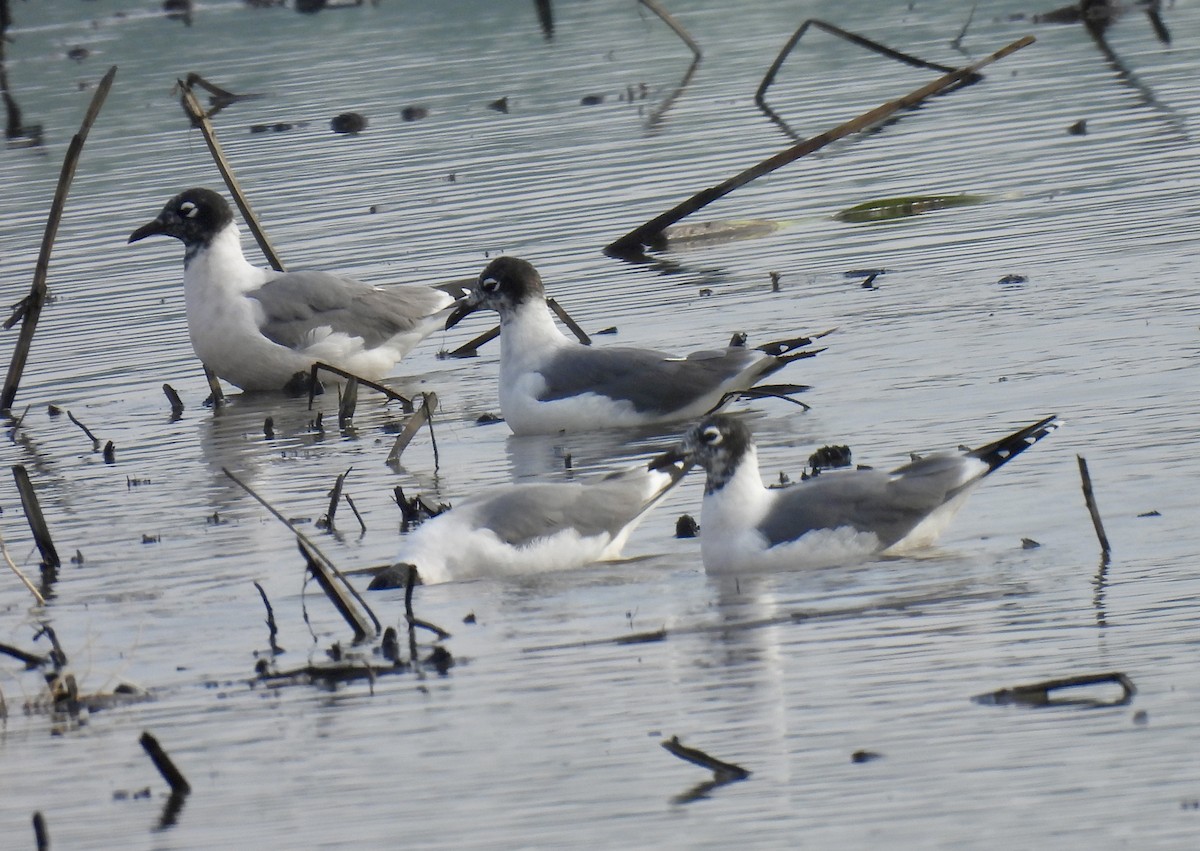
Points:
[[532, 527], [839, 516], [257, 328], [550, 383]]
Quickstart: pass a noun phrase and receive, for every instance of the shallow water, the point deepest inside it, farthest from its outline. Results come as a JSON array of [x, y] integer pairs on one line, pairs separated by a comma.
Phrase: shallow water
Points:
[[521, 744]]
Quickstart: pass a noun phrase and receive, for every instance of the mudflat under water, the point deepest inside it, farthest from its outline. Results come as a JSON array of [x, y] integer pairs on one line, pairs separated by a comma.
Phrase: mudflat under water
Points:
[[1069, 290]]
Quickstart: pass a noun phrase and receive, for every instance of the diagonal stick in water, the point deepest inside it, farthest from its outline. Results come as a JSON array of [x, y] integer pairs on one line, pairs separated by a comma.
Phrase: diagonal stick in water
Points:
[[650, 234]]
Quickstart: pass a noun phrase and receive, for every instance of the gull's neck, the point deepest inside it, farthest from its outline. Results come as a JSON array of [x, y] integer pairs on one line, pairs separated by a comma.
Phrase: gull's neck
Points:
[[220, 265], [528, 332], [739, 501]]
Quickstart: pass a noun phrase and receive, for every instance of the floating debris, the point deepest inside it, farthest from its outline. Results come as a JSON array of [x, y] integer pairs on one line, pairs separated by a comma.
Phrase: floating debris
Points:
[[350, 123], [1041, 694], [865, 756], [500, 105], [1029, 544], [686, 526], [414, 113], [723, 772], [1079, 128], [591, 100], [886, 209]]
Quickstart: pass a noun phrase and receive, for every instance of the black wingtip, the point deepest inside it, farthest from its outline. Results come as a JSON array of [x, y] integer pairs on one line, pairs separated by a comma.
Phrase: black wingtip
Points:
[[1002, 451]]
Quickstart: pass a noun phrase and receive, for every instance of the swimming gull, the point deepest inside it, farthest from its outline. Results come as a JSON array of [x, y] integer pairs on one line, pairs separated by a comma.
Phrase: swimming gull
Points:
[[551, 383], [838, 516]]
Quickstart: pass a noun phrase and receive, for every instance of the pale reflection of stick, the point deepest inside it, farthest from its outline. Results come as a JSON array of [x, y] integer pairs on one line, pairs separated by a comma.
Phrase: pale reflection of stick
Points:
[[655, 7], [41, 601]]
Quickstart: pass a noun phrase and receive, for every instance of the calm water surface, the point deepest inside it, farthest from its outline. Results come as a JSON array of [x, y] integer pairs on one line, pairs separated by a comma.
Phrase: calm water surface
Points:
[[522, 744]]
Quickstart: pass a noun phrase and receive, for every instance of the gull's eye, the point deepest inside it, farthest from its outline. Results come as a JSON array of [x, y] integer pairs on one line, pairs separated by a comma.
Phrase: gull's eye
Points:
[[489, 285], [188, 210], [711, 436]]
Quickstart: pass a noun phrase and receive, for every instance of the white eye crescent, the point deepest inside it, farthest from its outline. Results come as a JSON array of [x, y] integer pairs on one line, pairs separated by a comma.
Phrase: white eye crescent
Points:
[[488, 285], [711, 436], [189, 209]]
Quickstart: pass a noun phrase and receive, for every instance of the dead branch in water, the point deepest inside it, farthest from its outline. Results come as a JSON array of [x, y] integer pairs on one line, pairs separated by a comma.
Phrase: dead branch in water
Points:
[[314, 382], [1041, 694], [37, 595], [655, 7], [29, 309], [191, 106], [310, 549], [166, 767], [40, 834], [336, 593], [335, 496], [95, 440], [174, 400], [37, 521], [853, 38], [429, 403], [1090, 499], [631, 245], [273, 630]]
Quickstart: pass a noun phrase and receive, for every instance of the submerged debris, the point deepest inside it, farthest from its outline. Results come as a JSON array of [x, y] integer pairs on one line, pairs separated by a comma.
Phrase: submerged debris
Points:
[[350, 123], [1041, 694]]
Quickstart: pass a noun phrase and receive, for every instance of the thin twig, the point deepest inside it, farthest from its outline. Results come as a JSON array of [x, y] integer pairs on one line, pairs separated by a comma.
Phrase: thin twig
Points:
[[470, 348], [350, 502], [335, 496], [655, 7], [95, 440], [174, 400], [273, 629], [41, 601], [421, 417], [721, 770], [650, 233], [317, 367], [196, 113], [37, 293], [569, 322], [325, 579], [309, 544], [1090, 499]]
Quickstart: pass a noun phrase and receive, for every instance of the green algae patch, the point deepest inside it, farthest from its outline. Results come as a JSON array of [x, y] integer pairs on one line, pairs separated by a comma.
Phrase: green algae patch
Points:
[[886, 209]]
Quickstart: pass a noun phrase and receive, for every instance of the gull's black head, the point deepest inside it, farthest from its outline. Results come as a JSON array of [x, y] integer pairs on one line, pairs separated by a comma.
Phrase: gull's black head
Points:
[[718, 443], [194, 217], [504, 285]]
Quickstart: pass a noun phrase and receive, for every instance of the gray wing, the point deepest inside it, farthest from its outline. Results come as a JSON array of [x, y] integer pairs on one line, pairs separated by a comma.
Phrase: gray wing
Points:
[[890, 505], [648, 379], [296, 303], [526, 512]]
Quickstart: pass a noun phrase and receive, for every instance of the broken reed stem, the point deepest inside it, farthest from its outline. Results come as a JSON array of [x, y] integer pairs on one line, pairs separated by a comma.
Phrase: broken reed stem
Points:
[[176, 402], [271, 627], [33, 514], [723, 771], [310, 545], [173, 776], [853, 38], [1090, 499], [429, 403], [650, 233], [196, 112], [470, 348], [216, 394], [347, 403], [669, 20], [335, 496], [361, 524], [31, 306], [41, 601], [325, 578], [386, 391], [95, 441], [41, 835], [569, 322]]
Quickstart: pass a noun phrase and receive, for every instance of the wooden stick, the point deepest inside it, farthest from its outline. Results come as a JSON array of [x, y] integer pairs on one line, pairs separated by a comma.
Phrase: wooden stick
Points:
[[470, 348], [669, 20], [650, 233], [176, 402], [216, 394], [95, 440], [853, 38], [32, 305], [271, 627], [33, 513], [569, 322], [196, 113], [41, 835], [424, 415], [325, 579], [374, 385], [1090, 499], [335, 496], [166, 767], [347, 403], [313, 548], [726, 771]]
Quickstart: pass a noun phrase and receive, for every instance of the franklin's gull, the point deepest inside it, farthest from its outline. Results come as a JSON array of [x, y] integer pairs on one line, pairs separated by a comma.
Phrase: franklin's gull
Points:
[[532, 527], [257, 328], [837, 517], [551, 383]]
